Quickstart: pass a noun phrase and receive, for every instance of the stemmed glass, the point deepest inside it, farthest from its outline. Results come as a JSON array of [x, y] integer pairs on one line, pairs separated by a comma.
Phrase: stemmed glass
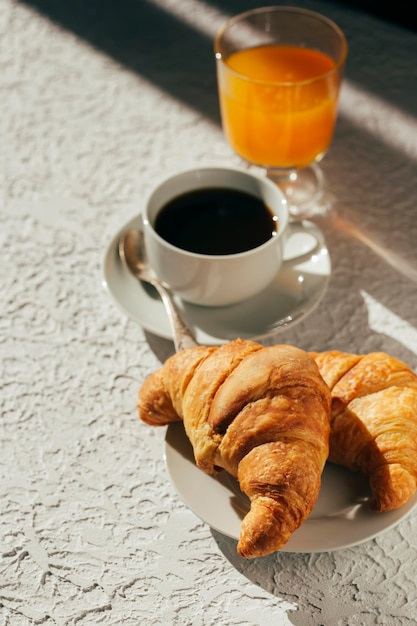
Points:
[[279, 71]]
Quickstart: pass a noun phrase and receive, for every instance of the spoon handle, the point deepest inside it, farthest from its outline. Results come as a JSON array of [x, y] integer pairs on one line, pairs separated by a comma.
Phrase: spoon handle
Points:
[[182, 336]]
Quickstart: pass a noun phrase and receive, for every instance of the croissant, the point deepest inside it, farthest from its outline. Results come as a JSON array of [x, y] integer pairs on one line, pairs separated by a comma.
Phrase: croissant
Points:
[[260, 413], [374, 422]]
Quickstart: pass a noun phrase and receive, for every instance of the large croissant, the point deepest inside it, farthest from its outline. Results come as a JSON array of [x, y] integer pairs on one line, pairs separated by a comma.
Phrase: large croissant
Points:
[[374, 422], [260, 413]]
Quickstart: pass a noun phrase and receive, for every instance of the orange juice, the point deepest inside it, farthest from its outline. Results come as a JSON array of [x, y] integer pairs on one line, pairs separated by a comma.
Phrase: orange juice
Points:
[[279, 104]]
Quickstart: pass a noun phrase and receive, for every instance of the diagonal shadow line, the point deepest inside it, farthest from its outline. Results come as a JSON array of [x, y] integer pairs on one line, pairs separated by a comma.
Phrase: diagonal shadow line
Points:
[[133, 33]]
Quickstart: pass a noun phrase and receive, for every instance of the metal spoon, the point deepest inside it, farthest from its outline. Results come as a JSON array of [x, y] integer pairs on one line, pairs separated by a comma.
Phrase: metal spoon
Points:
[[132, 252]]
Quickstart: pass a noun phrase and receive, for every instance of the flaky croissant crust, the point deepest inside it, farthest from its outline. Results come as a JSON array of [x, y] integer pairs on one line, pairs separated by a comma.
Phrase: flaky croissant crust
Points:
[[262, 414], [374, 421]]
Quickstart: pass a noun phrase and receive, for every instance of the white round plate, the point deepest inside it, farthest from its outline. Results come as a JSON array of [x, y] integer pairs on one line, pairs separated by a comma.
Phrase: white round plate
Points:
[[341, 518], [295, 292]]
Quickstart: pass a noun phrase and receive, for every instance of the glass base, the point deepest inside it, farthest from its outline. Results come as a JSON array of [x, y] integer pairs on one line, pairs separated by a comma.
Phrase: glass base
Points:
[[304, 190]]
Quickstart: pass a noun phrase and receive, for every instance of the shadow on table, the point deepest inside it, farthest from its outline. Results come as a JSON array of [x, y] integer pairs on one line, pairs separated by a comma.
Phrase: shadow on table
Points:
[[402, 13], [133, 33], [284, 575], [370, 177]]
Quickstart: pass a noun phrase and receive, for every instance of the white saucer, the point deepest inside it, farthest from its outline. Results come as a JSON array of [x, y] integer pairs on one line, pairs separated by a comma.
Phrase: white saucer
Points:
[[295, 292], [341, 518]]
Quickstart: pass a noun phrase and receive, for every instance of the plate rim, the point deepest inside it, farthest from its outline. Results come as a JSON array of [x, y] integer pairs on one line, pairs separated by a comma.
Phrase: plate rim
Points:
[[392, 518], [111, 264]]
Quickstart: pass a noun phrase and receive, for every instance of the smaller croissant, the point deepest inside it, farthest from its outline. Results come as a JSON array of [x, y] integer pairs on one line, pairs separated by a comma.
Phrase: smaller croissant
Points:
[[374, 422], [260, 413]]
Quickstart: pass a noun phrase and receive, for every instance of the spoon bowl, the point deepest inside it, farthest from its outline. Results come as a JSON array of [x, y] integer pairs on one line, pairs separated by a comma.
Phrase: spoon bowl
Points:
[[132, 253]]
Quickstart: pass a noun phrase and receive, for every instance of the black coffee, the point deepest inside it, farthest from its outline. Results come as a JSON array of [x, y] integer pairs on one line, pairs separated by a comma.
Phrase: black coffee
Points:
[[216, 221]]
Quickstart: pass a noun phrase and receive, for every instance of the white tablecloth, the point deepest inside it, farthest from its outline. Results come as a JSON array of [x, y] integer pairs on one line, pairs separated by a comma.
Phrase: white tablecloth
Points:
[[98, 101]]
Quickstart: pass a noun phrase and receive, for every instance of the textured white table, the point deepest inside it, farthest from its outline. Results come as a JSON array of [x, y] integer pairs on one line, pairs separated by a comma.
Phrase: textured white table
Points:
[[99, 99]]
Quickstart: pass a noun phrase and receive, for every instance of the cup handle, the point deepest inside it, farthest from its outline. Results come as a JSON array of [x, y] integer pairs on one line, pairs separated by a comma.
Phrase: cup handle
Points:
[[308, 240]]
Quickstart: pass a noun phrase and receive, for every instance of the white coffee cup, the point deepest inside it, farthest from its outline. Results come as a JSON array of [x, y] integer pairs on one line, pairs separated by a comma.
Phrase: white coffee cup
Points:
[[219, 280]]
